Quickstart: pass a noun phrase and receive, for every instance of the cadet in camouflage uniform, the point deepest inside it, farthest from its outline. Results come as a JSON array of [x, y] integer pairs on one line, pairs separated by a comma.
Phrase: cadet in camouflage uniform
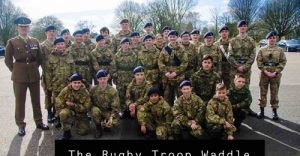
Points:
[[209, 48], [104, 31], [271, 61], [159, 42], [74, 102], [125, 32], [65, 34], [86, 34], [136, 45], [126, 61], [46, 48], [165, 32], [148, 30], [188, 112], [82, 58], [240, 97], [195, 36], [219, 115], [105, 104], [192, 53], [223, 44], [172, 64], [204, 81], [155, 117], [148, 58], [136, 93]]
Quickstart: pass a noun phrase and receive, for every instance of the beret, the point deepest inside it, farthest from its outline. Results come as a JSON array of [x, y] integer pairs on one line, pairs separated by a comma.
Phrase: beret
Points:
[[147, 37], [85, 30], [223, 28], [241, 22], [270, 34], [184, 32], [138, 69], [148, 25], [185, 83], [166, 28], [75, 77], [22, 21], [64, 31], [99, 37], [173, 32], [77, 32], [125, 39], [101, 73], [58, 40], [134, 34], [50, 27], [208, 34], [195, 31]]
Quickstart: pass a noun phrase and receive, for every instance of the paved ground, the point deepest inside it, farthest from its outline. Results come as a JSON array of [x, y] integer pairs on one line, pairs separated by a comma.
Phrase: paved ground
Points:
[[282, 137]]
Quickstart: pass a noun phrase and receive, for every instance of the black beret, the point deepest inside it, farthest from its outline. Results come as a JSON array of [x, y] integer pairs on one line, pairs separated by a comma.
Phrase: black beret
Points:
[[64, 31], [223, 28], [99, 37], [22, 21], [185, 83], [101, 73], [183, 33], [173, 32], [125, 39], [75, 77], [166, 28], [242, 22], [270, 34], [50, 27], [124, 21], [85, 30], [58, 40], [208, 34], [138, 69], [148, 25], [134, 34], [77, 32], [153, 90], [147, 37], [195, 31]]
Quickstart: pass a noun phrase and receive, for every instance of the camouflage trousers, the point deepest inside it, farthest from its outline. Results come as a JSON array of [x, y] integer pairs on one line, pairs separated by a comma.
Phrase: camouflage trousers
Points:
[[152, 76], [122, 80], [264, 83], [216, 131], [162, 131], [99, 117], [177, 128], [171, 89], [239, 115], [68, 117]]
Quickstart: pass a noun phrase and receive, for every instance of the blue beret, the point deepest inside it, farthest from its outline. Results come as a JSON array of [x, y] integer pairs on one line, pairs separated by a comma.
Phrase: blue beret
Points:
[[173, 32], [85, 30], [22, 21], [125, 39], [75, 77], [99, 37], [77, 32], [124, 21], [195, 31], [134, 34], [270, 34], [208, 34], [148, 25], [185, 83], [138, 69], [242, 22], [153, 90], [50, 27], [58, 40], [101, 73], [147, 37], [223, 28], [166, 28], [184, 32], [64, 31]]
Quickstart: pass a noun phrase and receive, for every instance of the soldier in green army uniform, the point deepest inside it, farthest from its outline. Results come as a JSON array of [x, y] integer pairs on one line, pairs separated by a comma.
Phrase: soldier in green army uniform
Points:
[[148, 58], [172, 63], [126, 61], [192, 53], [165, 32], [148, 30], [136, 45], [125, 32], [105, 104], [155, 117], [73, 102], [86, 34], [23, 57], [219, 115], [209, 48], [65, 34], [240, 97], [189, 112], [241, 55], [136, 93], [104, 31], [195, 36], [46, 48], [223, 45], [205, 80], [82, 58], [271, 61], [159, 42]]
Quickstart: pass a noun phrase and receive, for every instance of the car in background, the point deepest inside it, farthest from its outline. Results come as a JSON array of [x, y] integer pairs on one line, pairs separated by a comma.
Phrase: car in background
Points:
[[263, 43], [290, 45], [2, 50]]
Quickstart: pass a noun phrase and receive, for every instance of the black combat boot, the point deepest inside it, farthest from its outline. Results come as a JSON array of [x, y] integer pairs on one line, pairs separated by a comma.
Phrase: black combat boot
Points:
[[261, 114], [275, 115], [57, 122], [67, 135], [98, 133], [251, 112], [50, 116]]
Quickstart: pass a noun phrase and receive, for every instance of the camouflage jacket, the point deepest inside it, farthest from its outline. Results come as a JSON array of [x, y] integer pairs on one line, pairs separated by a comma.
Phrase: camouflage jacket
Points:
[[117, 39], [137, 94], [197, 44], [137, 49], [240, 99], [224, 46], [192, 55], [126, 61], [46, 48], [90, 45], [216, 55], [103, 58]]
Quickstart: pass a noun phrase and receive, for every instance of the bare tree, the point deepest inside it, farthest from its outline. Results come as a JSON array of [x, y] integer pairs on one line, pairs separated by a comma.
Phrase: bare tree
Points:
[[85, 24], [193, 18], [215, 17]]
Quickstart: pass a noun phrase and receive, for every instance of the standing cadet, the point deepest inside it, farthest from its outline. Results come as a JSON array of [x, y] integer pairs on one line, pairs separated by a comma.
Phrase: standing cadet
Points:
[[172, 64], [104, 31], [271, 61], [209, 48], [242, 55], [105, 104], [159, 42], [86, 34], [148, 58], [192, 53], [135, 39], [148, 29], [46, 48], [74, 102], [189, 112], [65, 34], [26, 52], [125, 32], [165, 32], [223, 45], [195, 36]]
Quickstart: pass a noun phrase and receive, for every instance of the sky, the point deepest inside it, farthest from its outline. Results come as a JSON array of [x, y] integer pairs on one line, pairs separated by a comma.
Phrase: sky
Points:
[[99, 12]]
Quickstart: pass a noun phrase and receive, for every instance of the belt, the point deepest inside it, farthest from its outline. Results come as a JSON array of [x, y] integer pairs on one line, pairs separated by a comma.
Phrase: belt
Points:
[[271, 64], [241, 61], [81, 63], [27, 61]]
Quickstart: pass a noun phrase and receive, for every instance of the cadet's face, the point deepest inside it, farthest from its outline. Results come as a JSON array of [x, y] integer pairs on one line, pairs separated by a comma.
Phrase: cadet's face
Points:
[[239, 82], [186, 91], [224, 33], [76, 85], [104, 33], [125, 46], [172, 39], [221, 94], [209, 40], [125, 26], [159, 39], [139, 77], [154, 98], [206, 65], [51, 34], [78, 38], [66, 36], [166, 32], [272, 40], [195, 37], [101, 43], [243, 28], [135, 39], [23, 30], [148, 42], [148, 29], [86, 35], [185, 38], [60, 47], [102, 81]]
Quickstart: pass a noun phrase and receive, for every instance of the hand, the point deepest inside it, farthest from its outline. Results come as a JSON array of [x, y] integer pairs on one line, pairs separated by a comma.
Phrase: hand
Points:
[[227, 125], [143, 129], [241, 69], [230, 137], [272, 75], [168, 74], [173, 74], [194, 126], [70, 104]]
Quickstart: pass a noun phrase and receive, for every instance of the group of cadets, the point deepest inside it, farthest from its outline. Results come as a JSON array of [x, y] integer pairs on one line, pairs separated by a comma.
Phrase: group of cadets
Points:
[[167, 83]]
